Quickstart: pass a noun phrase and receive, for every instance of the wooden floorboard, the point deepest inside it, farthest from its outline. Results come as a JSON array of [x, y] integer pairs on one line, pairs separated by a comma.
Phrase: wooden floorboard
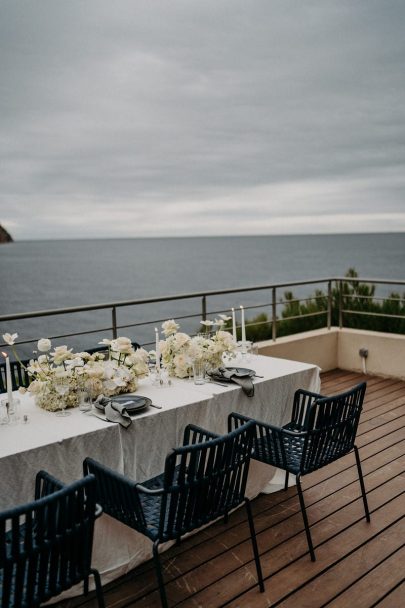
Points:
[[358, 564]]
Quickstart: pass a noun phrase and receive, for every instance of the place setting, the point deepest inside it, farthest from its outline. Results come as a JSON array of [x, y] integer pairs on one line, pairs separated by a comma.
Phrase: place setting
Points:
[[241, 376], [121, 408]]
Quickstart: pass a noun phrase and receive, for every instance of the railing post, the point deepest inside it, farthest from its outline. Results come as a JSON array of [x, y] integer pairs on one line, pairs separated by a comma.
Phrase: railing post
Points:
[[329, 304], [340, 304], [114, 322], [274, 315], [204, 308]]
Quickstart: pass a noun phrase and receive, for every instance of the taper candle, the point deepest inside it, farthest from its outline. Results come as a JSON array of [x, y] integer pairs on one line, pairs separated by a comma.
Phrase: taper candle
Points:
[[233, 325], [157, 349], [8, 380], [243, 326]]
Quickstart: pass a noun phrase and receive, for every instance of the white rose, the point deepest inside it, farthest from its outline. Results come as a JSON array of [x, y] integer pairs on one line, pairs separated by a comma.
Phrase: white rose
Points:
[[35, 387], [44, 345], [10, 338], [122, 345], [181, 339], [95, 371], [170, 327], [76, 362], [60, 354]]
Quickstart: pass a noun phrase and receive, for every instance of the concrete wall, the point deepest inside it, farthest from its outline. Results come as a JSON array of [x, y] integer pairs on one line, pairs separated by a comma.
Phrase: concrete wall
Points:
[[386, 352], [340, 348], [319, 347]]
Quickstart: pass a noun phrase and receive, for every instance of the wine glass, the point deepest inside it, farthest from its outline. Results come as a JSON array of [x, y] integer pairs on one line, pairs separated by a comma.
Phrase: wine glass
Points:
[[62, 387]]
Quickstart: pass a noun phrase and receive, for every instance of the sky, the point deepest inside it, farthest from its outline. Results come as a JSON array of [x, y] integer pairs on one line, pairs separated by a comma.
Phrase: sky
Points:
[[141, 118]]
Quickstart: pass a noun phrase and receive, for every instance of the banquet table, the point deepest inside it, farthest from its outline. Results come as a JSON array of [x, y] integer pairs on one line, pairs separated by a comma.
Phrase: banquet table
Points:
[[60, 444]]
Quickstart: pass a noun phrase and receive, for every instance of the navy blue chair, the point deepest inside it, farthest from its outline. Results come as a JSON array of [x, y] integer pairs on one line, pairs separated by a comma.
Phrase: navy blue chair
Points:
[[19, 376], [203, 480], [322, 430], [46, 545]]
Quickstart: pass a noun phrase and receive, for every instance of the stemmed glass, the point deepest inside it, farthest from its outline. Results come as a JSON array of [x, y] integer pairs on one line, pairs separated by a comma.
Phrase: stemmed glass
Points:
[[61, 386]]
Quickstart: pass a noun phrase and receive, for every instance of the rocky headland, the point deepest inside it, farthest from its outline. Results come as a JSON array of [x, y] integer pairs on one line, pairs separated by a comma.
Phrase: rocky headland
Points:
[[5, 237]]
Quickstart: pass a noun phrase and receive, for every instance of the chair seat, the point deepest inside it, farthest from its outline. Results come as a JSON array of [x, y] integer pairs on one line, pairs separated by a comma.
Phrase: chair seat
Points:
[[266, 451], [151, 505]]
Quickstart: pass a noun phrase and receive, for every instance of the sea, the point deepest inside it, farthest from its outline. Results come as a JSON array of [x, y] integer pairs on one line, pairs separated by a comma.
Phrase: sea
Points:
[[37, 275]]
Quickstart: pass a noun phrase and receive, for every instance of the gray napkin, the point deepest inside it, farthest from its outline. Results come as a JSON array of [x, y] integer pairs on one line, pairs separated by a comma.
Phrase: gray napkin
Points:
[[114, 412], [244, 380]]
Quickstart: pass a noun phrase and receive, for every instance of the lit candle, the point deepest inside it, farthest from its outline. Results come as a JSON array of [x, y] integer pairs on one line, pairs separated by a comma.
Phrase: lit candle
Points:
[[243, 327], [8, 380], [233, 325], [157, 349]]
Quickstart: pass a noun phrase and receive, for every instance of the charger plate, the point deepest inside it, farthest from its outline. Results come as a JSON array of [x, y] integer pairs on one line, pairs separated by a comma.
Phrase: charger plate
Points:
[[133, 403], [240, 372]]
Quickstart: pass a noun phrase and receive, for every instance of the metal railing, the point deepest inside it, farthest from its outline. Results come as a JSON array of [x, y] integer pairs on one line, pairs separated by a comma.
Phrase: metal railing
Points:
[[335, 296]]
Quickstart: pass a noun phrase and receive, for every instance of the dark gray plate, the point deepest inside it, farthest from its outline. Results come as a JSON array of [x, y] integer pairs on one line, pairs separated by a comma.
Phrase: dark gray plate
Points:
[[241, 372], [135, 403]]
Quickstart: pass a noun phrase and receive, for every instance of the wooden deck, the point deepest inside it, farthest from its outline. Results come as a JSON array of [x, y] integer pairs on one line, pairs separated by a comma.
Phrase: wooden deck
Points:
[[358, 564]]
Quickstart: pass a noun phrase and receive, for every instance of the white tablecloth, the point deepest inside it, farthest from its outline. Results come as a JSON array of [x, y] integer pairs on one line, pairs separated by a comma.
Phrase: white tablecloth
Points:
[[59, 445]]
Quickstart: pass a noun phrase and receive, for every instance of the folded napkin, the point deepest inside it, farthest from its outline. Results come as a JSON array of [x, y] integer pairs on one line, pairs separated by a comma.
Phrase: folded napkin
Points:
[[244, 380], [114, 412]]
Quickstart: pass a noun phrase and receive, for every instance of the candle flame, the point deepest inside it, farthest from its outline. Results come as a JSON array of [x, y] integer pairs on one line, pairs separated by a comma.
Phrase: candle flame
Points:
[[5, 355]]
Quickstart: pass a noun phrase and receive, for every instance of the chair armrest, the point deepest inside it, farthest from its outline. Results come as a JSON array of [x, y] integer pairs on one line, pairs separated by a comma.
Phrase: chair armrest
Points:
[[46, 484], [237, 420], [118, 495], [303, 400], [145, 490], [195, 434]]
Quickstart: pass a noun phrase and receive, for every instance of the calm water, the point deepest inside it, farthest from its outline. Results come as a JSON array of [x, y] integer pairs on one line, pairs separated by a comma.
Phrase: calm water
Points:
[[49, 274]]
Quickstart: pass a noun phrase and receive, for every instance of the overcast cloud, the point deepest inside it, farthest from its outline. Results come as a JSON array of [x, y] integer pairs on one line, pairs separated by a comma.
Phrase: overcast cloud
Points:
[[144, 118]]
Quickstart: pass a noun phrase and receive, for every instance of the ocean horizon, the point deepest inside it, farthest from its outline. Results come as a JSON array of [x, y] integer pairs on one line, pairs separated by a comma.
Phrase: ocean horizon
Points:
[[47, 274]]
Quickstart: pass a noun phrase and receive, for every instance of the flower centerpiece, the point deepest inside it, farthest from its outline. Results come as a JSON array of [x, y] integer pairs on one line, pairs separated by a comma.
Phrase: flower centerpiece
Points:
[[112, 371], [179, 350]]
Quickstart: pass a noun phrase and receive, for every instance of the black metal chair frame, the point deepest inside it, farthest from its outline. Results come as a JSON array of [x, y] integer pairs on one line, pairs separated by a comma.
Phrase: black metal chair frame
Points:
[[203, 480], [46, 545], [322, 430]]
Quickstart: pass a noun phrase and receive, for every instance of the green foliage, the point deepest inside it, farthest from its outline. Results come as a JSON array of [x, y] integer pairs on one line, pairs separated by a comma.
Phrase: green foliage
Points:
[[356, 298]]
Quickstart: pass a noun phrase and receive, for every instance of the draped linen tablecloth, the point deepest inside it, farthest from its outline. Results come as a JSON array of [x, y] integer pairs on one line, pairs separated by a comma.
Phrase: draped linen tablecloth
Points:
[[59, 445]]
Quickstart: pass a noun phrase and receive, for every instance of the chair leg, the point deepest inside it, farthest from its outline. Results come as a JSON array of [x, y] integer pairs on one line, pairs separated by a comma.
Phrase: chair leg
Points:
[[254, 545], [361, 480], [86, 586], [161, 583], [226, 518], [287, 475], [99, 588], [305, 518]]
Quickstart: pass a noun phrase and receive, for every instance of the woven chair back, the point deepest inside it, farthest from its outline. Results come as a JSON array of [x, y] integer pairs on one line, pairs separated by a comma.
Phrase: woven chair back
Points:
[[45, 546], [205, 481], [332, 426]]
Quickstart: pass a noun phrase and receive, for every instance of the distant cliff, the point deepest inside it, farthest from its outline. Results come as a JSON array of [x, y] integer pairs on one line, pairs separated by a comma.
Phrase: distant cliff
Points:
[[5, 237]]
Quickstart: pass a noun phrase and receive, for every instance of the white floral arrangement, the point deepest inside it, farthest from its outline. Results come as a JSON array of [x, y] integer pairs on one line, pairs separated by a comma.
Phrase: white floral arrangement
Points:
[[179, 350], [109, 373]]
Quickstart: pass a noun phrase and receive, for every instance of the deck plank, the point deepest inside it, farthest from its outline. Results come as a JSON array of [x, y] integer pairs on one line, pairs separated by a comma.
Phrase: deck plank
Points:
[[355, 559]]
